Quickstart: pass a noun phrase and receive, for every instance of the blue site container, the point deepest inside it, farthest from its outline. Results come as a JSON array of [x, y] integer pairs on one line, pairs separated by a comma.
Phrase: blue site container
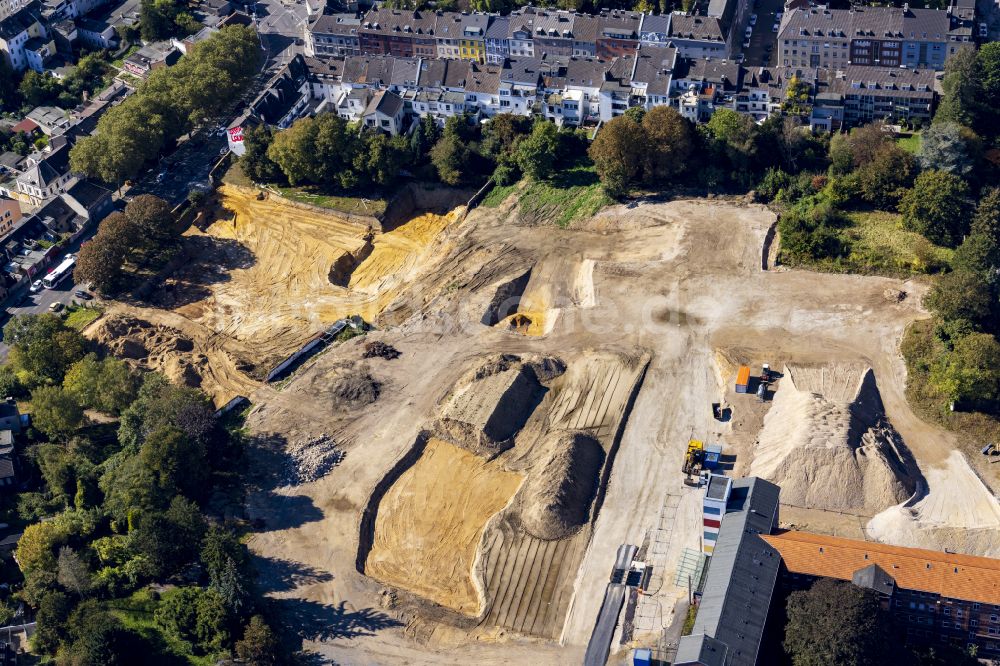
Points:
[[712, 454], [642, 657]]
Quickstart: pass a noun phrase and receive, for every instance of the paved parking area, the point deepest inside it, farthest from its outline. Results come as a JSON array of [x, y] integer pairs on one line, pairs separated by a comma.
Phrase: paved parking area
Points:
[[763, 41]]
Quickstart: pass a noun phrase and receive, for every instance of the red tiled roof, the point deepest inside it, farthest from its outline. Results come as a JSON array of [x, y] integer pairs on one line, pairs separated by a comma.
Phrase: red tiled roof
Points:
[[950, 575], [27, 125]]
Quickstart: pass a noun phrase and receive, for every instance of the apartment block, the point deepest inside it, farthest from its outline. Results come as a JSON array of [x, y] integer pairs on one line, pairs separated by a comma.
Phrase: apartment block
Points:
[[866, 36], [933, 598]]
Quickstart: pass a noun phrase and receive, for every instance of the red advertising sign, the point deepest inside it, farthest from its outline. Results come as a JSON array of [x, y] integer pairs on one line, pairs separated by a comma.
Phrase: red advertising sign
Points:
[[236, 134]]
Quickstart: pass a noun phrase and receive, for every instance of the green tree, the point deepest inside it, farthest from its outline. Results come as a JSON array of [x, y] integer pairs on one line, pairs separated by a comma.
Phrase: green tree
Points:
[[42, 347], [10, 385], [835, 622], [988, 69], [938, 207], [796, 102], [960, 295], [382, 157], [536, 153], [197, 616], [858, 148], [950, 147], [259, 645], [169, 541], [99, 638], [101, 262], [55, 412], [255, 163], [73, 572], [51, 622], [618, 153], [961, 89], [453, 159], [971, 371], [670, 144], [883, 181], [176, 461]]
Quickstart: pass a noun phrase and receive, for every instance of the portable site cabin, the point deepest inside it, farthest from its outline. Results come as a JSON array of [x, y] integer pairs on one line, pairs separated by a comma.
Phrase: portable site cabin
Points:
[[743, 379]]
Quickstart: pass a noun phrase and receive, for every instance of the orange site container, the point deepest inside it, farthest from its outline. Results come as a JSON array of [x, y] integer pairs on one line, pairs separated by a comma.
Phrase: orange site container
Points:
[[742, 379]]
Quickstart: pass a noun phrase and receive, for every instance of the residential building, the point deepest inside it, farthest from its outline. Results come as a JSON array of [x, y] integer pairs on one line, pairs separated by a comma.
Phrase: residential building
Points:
[[617, 34], [333, 35], [472, 45], [552, 31], [51, 120], [698, 36], [933, 598], [150, 57], [497, 40], [522, 43], [872, 93], [398, 32], [10, 214], [654, 29], [740, 580], [8, 462], [23, 38], [384, 112], [285, 99], [46, 175], [652, 75], [872, 36], [185, 44]]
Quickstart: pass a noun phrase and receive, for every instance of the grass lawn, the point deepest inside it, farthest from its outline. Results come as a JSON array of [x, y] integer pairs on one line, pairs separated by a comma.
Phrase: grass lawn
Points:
[[909, 142], [573, 194], [78, 317], [356, 205], [234, 176], [136, 613], [878, 245]]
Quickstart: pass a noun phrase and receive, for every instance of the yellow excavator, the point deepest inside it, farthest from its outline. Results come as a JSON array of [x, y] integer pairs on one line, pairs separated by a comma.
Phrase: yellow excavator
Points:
[[694, 459]]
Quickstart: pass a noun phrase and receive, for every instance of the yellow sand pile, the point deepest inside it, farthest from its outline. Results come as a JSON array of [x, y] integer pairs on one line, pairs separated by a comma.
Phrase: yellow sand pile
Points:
[[430, 522]]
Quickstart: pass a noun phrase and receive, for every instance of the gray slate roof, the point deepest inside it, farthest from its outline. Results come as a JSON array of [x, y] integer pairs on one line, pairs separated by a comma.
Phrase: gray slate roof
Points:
[[741, 574], [874, 22]]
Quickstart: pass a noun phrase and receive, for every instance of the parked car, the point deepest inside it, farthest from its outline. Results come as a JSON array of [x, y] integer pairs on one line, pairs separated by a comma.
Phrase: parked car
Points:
[[55, 307], [746, 43], [983, 30], [753, 19], [774, 28], [223, 151], [777, 17], [80, 293], [35, 287], [160, 177], [748, 32]]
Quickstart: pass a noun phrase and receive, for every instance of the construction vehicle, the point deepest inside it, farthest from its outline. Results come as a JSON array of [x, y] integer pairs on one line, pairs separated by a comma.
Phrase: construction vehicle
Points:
[[717, 413], [765, 373], [694, 459]]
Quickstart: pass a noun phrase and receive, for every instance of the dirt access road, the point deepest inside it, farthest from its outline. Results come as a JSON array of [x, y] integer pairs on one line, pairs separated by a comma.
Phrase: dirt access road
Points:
[[675, 283]]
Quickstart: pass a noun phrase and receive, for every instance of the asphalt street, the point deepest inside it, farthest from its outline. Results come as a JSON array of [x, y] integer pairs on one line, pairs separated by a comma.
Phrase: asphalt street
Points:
[[763, 49]]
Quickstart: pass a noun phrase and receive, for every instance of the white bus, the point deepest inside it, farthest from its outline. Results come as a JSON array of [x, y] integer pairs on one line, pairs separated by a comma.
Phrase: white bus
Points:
[[59, 273]]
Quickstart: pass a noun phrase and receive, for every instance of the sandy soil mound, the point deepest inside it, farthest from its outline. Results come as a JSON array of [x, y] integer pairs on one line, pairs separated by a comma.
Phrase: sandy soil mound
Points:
[[355, 387], [960, 513], [431, 520], [826, 442], [557, 496], [493, 403]]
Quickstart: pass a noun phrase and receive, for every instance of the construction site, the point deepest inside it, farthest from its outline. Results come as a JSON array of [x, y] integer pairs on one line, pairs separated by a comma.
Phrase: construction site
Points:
[[463, 474]]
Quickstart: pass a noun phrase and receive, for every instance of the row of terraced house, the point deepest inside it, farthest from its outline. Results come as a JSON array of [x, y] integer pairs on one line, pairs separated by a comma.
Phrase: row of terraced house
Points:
[[810, 35], [390, 93], [859, 64]]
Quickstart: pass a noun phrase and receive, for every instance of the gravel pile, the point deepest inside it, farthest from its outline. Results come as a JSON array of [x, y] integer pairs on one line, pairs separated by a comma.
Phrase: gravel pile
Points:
[[312, 459], [381, 350]]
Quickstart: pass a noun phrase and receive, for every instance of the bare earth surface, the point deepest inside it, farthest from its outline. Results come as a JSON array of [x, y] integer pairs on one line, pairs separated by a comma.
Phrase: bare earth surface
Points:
[[556, 376]]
